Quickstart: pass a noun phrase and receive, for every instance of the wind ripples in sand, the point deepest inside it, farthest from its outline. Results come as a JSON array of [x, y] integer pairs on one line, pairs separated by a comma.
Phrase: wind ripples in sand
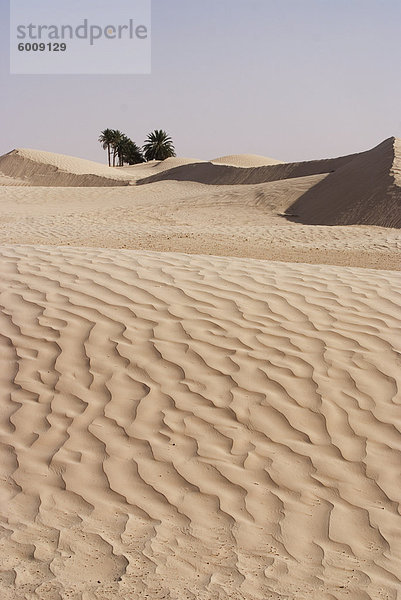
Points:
[[179, 426]]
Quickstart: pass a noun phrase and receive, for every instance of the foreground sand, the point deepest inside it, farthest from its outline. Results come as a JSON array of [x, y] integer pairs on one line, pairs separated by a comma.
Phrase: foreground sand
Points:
[[189, 427]]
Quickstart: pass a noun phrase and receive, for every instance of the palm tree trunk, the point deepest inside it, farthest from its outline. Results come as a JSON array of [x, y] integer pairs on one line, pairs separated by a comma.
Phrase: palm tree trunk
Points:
[[108, 153]]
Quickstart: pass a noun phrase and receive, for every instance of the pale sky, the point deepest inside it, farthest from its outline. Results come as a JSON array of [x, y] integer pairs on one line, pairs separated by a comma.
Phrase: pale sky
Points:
[[290, 79]]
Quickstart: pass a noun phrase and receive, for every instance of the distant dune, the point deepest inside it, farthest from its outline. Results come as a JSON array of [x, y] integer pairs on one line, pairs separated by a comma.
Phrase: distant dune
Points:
[[197, 427], [152, 167], [365, 191], [361, 189], [245, 160], [172, 211], [220, 174], [39, 168]]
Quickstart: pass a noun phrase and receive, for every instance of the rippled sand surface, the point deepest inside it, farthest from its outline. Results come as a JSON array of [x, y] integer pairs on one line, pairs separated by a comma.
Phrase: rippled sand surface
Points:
[[177, 426]]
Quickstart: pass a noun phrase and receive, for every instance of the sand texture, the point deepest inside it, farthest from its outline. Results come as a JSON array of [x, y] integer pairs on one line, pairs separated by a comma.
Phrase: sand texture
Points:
[[200, 368], [198, 427], [242, 221]]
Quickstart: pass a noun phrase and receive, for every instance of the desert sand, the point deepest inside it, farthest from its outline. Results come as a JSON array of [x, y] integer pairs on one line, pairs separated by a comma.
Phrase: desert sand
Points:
[[200, 378], [36, 167], [245, 160]]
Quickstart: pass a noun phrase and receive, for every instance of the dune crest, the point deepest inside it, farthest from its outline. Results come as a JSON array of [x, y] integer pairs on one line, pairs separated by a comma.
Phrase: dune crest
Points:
[[39, 168], [245, 160], [220, 174], [359, 189], [197, 427], [141, 170], [365, 191]]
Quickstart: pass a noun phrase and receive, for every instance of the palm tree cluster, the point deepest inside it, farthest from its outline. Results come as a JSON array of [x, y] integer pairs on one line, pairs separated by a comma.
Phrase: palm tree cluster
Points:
[[121, 149]]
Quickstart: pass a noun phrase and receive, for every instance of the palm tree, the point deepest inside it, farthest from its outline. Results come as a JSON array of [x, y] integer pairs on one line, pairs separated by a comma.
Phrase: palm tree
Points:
[[116, 144], [121, 146], [158, 146], [131, 153], [106, 139], [120, 143], [126, 150]]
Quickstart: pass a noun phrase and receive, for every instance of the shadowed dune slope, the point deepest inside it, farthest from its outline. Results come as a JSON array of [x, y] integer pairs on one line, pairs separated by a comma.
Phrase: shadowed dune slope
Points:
[[218, 174], [365, 191], [39, 168], [178, 426]]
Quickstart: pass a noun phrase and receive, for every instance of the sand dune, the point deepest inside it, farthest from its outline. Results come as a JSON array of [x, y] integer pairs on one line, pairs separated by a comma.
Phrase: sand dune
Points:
[[39, 168], [152, 167], [198, 427], [220, 174], [6, 180], [171, 216], [245, 160], [361, 189], [366, 190]]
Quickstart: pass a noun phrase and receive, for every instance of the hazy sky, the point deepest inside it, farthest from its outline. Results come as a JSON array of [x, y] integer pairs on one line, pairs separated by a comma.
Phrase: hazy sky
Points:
[[290, 79]]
